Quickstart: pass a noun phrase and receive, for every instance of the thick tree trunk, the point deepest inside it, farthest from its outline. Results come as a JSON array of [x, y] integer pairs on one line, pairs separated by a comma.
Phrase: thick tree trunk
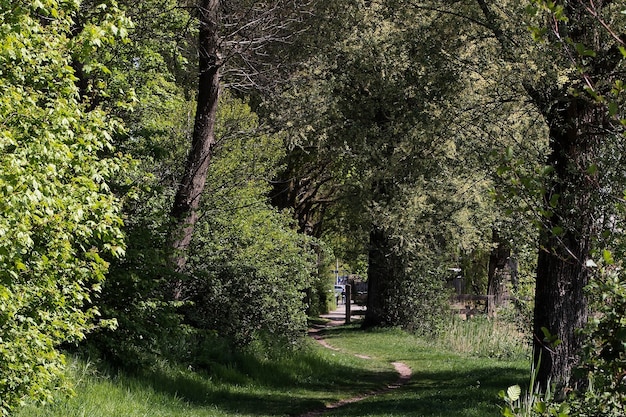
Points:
[[577, 128], [496, 275], [185, 208], [565, 241], [377, 276]]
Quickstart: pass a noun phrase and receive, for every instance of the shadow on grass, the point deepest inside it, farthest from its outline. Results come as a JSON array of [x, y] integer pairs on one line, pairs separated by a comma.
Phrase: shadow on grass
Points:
[[307, 380], [443, 383], [292, 386], [443, 394]]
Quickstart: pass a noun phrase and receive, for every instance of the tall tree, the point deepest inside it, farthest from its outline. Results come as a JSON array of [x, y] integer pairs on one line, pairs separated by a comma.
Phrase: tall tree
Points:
[[234, 39], [187, 200], [579, 63], [374, 108]]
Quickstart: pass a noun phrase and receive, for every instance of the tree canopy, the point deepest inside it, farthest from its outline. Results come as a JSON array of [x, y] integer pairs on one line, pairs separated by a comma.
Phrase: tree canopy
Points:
[[181, 174]]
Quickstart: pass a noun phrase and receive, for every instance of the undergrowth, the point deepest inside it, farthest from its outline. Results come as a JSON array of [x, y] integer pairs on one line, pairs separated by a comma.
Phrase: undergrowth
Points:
[[484, 337]]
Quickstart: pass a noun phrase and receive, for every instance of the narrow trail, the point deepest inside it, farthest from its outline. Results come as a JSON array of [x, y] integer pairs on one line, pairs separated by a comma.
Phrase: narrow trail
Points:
[[404, 372]]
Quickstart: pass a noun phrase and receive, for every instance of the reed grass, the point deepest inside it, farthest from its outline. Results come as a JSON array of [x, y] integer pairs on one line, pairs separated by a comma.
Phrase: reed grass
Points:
[[484, 337]]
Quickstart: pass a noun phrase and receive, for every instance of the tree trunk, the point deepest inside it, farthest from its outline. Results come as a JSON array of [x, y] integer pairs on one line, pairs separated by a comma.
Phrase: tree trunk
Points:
[[378, 269], [565, 240], [185, 208], [577, 128], [496, 275]]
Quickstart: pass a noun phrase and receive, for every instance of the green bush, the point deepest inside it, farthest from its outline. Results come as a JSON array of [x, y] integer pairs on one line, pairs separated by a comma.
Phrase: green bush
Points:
[[248, 268], [604, 358], [59, 218], [250, 277]]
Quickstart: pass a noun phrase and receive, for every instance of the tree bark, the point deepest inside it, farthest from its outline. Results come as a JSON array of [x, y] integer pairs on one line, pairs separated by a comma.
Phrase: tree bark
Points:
[[377, 271], [565, 240], [186, 202], [496, 275], [577, 127]]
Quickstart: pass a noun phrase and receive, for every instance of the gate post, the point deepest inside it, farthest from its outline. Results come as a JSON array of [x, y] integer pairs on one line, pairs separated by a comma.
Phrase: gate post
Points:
[[348, 289]]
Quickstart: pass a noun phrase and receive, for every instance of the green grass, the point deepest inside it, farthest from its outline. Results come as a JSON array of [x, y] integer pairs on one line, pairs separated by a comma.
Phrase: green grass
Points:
[[484, 337], [444, 383], [290, 385]]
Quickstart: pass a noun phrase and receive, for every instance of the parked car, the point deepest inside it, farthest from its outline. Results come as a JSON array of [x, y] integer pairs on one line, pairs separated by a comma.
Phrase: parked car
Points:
[[340, 293]]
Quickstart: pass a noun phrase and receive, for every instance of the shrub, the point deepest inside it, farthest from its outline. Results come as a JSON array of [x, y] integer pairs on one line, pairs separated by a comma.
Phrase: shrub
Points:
[[59, 218]]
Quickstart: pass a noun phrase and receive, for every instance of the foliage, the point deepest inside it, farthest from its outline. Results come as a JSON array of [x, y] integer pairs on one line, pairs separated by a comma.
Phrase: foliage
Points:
[[376, 99], [534, 403], [247, 269], [250, 267], [604, 357], [136, 293], [60, 221], [230, 260]]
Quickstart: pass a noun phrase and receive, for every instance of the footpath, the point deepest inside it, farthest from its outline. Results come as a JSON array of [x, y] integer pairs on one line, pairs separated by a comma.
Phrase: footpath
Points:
[[338, 318]]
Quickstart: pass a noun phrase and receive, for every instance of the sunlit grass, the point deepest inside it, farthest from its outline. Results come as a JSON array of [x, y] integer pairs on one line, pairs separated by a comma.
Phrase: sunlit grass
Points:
[[444, 382], [484, 337], [293, 384]]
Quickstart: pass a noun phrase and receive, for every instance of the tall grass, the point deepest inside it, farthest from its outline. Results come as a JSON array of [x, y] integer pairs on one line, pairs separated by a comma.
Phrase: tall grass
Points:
[[484, 337]]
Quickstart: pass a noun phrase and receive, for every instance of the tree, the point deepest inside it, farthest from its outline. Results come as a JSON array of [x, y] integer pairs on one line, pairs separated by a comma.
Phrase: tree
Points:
[[579, 64], [184, 209], [234, 37], [60, 221], [373, 151]]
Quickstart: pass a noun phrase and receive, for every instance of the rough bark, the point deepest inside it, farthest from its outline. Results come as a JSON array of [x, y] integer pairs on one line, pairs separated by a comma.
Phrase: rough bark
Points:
[[496, 275], [577, 128], [378, 269], [185, 208], [565, 241]]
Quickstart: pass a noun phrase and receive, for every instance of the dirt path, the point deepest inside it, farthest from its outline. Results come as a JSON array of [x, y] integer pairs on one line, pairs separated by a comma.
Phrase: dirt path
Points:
[[404, 372]]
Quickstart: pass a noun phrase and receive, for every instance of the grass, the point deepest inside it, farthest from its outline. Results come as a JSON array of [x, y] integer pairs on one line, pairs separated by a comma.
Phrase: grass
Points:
[[290, 385], [444, 382], [484, 337]]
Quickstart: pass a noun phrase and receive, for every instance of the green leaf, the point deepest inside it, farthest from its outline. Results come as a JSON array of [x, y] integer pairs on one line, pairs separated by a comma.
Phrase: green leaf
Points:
[[582, 50], [506, 412], [608, 257], [593, 168], [564, 410], [508, 153], [554, 200], [540, 407], [514, 392], [557, 230]]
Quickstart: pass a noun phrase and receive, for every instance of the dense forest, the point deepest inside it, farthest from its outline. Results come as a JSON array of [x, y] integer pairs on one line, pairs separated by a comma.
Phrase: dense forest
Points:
[[178, 174]]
